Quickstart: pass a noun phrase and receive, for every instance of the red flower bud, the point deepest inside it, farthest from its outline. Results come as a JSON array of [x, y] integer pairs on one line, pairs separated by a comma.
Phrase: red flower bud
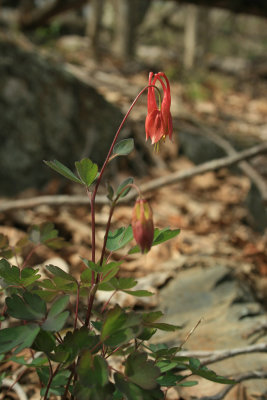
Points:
[[142, 224]]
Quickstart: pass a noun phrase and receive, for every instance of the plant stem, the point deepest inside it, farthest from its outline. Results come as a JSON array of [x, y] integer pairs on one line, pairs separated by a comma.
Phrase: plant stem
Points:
[[111, 213], [77, 305], [64, 397], [104, 166], [106, 233], [29, 256], [94, 286], [51, 377], [90, 304]]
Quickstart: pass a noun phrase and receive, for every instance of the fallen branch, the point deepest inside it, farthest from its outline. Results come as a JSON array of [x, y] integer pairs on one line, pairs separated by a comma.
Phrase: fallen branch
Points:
[[240, 378], [172, 178], [245, 166], [209, 357], [9, 383]]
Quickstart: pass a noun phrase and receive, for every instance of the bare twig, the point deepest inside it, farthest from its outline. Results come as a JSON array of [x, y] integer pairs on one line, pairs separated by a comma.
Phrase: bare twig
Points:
[[6, 382], [240, 378], [154, 184], [209, 357]]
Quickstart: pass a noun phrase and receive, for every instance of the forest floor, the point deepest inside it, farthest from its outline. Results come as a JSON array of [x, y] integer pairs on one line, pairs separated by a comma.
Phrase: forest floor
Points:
[[209, 209]]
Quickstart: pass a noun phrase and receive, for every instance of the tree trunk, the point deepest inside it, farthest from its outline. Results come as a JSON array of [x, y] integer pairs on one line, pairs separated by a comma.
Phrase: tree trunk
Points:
[[94, 23], [128, 16], [190, 36]]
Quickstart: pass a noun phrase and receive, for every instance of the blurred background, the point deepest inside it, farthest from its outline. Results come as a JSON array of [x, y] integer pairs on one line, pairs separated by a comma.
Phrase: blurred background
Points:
[[69, 70]]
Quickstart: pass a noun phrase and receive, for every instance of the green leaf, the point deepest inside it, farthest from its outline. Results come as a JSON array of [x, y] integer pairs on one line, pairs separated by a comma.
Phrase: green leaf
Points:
[[141, 371], [160, 236], [44, 342], [74, 342], [188, 383], [108, 271], [113, 322], [63, 170], [13, 276], [28, 276], [58, 383], [165, 327], [147, 333], [18, 336], [119, 238], [124, 147], [139, 293], [204, 372], [119, 327], [48, 232], [134, 392], [107, 276], [92, 369], [43, 233], [34, 363], [57, 243], [60, 273], [194, 363], [124, 283], [110, 194], [94, 392], [163, 235], [166, 365], [10, 274], [168, 379], [56, 318], [87, 170], [86, 277], [122, 193], [30, 307], [152, 316]]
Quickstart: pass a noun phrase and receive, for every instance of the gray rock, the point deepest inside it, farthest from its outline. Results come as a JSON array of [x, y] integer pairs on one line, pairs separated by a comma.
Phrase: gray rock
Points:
[[229, 314], [46, 113]]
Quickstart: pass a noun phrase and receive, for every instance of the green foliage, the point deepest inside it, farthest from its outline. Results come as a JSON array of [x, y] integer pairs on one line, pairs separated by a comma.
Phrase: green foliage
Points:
[[120, 327], [29, 307], [119, 238], [56, 317], [141, 371], [63, 170], [124, 147], [46, 234], [122, 193], [77, 346], [160, 236], [57, 387], [87, 171], [19, 337], [13, 276]]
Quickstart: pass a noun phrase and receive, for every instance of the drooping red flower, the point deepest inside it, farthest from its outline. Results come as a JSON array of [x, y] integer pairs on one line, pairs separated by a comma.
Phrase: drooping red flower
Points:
[[158, 121], [142, 224]]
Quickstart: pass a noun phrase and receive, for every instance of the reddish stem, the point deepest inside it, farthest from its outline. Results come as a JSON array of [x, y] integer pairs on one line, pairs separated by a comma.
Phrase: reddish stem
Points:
[[94, 287], [106, 233], [29, 256], [77, 305], [104, 166], [107, 302]]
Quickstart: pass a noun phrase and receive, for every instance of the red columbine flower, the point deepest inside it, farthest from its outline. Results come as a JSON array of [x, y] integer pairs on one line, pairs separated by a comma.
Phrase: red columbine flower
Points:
[[158, 120], [142, 224]]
